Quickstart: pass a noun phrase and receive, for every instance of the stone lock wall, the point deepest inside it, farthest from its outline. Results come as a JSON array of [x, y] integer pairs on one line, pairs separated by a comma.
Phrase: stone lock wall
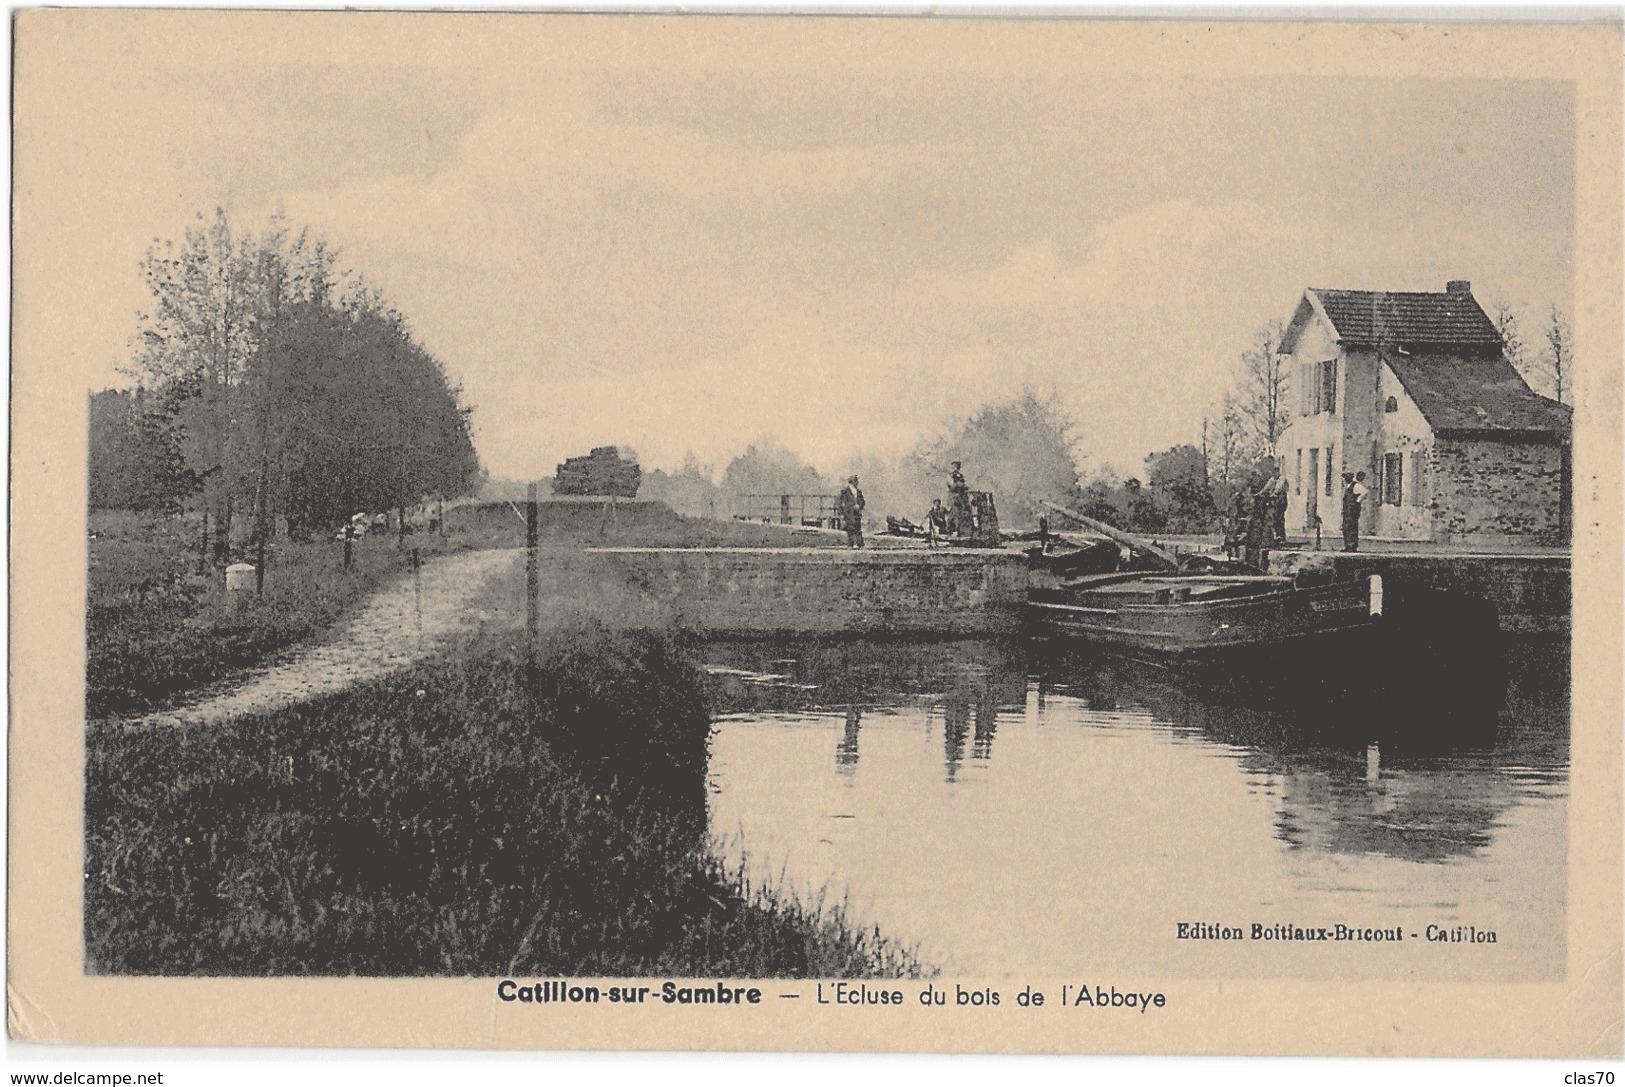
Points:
[[1531, 593], [1484, 490], [822, 591]]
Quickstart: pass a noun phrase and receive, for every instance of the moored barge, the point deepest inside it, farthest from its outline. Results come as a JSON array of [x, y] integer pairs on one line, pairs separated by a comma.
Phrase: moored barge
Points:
[[1205, 617]]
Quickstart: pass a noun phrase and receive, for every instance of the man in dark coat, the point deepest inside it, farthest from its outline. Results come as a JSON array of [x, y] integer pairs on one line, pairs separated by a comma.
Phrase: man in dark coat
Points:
[[936, 521], [1357, 493], [1351, 515], [1259, 526], [849, 508], [1280, 490], [1236, 539], [959, 515]]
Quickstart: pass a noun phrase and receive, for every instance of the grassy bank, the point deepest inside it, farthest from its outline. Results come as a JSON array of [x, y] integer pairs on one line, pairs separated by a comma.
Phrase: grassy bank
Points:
[[469, 817]]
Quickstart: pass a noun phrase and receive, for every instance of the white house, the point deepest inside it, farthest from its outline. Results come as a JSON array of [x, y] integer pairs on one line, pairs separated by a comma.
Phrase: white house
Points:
[[1414, 389]]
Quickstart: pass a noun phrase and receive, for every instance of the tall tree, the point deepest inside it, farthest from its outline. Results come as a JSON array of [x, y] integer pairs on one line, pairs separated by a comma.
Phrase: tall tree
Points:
[[1024, 450], [1231, 439], [289, 391], [212, 298], [1260, 401], [1178, 478], [767, 468], [360, 416], [690, 489], [1508, 321], [1558, 350], [134, 461]]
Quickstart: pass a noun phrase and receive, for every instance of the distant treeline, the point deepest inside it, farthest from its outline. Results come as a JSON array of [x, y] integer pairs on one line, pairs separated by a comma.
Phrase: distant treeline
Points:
[[1022, 449], [267, 384], [1025, 450]]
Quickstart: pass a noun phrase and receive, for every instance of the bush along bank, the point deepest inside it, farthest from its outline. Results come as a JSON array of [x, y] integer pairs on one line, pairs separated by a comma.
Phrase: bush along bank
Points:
[[470, 817]]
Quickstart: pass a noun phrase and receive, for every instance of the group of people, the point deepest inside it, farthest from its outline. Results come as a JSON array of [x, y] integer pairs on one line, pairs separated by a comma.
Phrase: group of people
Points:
[[955, 519], [1259, 519]]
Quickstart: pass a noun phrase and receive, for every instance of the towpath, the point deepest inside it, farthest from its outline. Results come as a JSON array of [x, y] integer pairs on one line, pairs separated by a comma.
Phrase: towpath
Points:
[[397, 626]]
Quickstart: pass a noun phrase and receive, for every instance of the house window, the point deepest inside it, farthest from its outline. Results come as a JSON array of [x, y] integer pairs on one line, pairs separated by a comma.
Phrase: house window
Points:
[[1419, 478], [1393, 478], [1392, 405], [1328, 387], [1331, 473], [1298, 478], [1319, 387]]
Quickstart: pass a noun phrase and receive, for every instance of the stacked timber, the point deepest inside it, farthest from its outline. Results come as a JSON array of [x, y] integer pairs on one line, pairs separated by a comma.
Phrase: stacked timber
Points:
[[601, 472]]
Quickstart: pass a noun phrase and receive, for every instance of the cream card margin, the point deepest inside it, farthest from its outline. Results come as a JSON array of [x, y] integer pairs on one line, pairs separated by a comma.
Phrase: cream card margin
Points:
[[50, 999]]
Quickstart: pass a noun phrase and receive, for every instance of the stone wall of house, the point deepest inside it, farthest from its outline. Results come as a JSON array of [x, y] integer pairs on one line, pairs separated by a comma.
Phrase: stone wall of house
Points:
[[822, 591], [1485, 490], [1361, 451], [1310, 444], [1403, 431]]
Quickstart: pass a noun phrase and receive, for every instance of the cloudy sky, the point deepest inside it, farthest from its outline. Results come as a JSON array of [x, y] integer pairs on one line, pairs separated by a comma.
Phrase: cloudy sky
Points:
[[685, 235]]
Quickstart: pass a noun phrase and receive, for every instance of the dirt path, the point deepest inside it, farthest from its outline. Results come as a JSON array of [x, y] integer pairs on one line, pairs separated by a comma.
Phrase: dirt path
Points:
[[397, 626]]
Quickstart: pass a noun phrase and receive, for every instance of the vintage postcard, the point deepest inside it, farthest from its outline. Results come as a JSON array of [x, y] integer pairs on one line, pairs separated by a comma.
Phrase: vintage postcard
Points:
[[779, 533]]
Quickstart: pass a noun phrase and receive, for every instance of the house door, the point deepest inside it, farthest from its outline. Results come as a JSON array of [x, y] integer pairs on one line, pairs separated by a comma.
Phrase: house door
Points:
[[1311, 493]]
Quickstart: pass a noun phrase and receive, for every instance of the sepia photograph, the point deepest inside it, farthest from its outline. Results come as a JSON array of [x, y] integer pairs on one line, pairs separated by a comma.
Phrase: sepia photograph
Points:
[[724, 532]]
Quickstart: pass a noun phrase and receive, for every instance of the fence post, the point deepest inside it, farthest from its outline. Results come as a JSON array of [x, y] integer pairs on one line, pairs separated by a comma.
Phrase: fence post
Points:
[[533, 575], [417, 586], [349, 529]]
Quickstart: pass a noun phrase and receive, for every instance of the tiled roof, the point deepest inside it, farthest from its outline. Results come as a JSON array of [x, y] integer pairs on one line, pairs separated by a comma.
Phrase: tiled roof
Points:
[[1475, 392], [1419, 317]]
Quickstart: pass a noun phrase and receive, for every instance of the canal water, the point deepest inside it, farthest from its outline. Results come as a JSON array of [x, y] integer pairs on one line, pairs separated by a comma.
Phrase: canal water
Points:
[[1021, 817]]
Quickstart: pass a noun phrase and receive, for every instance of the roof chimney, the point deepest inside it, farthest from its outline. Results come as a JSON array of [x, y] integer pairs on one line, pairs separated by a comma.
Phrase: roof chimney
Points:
[[1458, 286]]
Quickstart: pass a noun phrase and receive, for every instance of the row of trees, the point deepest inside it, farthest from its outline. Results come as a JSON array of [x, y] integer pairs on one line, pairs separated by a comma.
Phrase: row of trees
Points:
[[269, 384], [1239, 443], [1023, 450], [1539, 342]]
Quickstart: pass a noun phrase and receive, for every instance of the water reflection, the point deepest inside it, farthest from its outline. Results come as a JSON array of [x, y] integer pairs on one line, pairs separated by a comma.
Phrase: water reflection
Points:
[[1431, 816], [790, 675], [967, 711], [968, 682], [1031, 813], [846, 752], [987, 723], [1431, 787], [955, 723], [1402, 778], [963, 767]]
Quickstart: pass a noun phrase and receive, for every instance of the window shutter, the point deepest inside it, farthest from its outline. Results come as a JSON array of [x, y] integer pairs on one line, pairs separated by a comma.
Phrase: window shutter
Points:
[[1393, 478]]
